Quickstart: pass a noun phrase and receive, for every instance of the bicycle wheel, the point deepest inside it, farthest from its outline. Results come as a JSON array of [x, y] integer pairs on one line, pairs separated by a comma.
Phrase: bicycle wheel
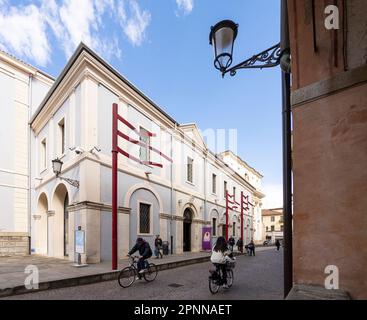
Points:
[[230, 277], [213, 285], [150, 273], [127, 277]]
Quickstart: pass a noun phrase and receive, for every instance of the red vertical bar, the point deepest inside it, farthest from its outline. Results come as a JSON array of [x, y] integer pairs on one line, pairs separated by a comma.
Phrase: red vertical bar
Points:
[[114, 185], [226, 215], [242, 217]]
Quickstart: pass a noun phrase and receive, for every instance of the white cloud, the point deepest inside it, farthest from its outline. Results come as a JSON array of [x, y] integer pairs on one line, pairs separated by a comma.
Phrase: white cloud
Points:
[[274, 196], [27, 30], [135, 25], [23, 31], [185, 5]]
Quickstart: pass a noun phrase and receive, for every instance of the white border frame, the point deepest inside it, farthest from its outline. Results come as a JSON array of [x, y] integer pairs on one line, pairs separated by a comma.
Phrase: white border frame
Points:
[[151, 226]]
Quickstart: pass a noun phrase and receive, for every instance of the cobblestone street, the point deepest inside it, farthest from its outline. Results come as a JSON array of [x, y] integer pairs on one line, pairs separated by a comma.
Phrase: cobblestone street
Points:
[[259, 277]]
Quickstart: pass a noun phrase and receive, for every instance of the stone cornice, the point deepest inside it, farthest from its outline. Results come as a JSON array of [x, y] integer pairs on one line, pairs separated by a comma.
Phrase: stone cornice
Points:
[[321, 89], [85, 205]]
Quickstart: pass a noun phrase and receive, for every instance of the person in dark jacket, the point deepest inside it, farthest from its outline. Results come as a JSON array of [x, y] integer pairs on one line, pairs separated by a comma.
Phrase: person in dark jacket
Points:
[[277, 243], [231, 243], [251, 247], [145, 253], [158, 247], [239, 245]]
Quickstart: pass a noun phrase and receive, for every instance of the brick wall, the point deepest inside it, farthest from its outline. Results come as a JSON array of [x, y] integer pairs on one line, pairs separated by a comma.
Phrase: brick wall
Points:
[[13, 243]]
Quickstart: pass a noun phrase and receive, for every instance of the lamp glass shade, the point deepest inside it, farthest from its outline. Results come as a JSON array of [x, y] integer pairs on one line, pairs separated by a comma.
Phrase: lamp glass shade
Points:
[[222, 37], [57, 166]]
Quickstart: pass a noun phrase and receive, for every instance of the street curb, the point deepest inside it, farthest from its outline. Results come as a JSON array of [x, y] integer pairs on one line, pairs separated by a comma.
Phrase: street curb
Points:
[[94, 278]]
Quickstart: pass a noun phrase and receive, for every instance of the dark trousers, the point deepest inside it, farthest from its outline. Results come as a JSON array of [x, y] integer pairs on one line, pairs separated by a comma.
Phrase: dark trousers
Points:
[[252, 251], [141, 264], [223, 267]]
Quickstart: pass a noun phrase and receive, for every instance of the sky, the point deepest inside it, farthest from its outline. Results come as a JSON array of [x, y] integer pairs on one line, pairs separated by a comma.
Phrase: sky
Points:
[[162, 47]]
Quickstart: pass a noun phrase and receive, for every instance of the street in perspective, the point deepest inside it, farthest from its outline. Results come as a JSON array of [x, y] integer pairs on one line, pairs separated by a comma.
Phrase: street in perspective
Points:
[[185, 150]]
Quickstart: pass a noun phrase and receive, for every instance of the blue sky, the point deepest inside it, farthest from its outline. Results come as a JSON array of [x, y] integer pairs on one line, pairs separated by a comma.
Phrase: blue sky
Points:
[[163, 48]]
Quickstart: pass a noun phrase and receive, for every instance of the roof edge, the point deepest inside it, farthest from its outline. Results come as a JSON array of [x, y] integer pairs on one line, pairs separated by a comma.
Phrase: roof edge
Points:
[[82, 47]]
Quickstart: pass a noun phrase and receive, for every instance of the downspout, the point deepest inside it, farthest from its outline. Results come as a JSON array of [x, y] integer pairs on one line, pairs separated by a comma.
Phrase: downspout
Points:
[[287, 151], [29, 165], [170, 222], [205, 190]]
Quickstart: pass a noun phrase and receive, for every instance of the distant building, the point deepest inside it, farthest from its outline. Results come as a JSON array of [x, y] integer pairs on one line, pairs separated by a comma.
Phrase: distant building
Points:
[[252, 225], [22, 88], [272, 220]]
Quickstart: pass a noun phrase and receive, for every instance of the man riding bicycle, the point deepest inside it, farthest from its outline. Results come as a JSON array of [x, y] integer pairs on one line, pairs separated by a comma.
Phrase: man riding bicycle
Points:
[[145, 253]]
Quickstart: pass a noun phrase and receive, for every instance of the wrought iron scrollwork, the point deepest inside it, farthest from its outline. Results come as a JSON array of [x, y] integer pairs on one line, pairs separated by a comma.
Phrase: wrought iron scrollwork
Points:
[[74, 183], [265, 59]]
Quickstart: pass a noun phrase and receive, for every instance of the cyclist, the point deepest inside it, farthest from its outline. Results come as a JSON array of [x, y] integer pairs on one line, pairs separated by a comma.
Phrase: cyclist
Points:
[[145, 253], [220, 256]]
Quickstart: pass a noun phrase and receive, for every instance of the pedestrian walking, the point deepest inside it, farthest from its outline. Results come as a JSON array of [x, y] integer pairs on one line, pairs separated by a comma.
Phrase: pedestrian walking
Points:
[[277, 243], [231, 243], [251, 247], [240, 245], [158, 243]]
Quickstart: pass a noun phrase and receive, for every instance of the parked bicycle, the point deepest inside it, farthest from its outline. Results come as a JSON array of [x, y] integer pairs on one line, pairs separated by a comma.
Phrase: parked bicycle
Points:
[[128, 275], [216, 277]]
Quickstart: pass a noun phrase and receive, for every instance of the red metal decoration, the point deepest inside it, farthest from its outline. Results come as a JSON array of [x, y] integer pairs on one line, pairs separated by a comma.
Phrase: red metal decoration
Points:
[[228, 202], [115, 151], [243, 208]]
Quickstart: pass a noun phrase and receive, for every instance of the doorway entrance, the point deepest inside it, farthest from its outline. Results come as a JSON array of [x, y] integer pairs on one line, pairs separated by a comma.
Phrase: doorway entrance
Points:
[[187, 230]]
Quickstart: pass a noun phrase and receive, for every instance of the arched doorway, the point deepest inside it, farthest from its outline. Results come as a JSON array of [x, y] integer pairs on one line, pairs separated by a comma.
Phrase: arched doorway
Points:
[[59, 228], [187, 221], [41, 225]]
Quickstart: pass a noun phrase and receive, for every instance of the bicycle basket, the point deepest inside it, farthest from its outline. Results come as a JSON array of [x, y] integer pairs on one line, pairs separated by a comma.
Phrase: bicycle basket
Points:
[[231, 264]]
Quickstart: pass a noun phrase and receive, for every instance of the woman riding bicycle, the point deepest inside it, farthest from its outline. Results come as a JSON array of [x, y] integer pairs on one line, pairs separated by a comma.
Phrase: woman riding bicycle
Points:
[[220, 256]]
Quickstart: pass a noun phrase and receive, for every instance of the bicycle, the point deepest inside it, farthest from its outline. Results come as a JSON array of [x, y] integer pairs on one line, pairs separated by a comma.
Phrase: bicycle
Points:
[[216, 277], [127, 275]]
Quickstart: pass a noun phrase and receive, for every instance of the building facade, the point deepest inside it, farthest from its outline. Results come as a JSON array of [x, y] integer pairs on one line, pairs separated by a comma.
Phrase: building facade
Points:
[[272, 220], [22, 88], [74, 124], [329, 107], [253, 226]]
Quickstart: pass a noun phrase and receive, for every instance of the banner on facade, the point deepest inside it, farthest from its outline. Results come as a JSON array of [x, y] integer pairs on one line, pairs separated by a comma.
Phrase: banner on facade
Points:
[[206, 238]]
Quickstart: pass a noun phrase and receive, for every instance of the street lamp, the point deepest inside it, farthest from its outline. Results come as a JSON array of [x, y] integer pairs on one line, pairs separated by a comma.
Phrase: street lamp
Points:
[[56, 167], [222, 37]]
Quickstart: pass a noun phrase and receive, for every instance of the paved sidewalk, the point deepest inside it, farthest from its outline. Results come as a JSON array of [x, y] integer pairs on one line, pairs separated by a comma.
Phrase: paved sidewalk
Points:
[[58, 273]]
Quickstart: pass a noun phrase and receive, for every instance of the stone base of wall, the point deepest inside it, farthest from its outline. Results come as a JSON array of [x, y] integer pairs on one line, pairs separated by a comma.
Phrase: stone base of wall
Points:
[[14, 244], [310, 292]]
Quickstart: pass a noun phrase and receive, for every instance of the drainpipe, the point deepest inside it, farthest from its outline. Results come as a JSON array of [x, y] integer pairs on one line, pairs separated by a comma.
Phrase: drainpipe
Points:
[[205, 188], [29, 165], [170, 222], [287, 155]]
